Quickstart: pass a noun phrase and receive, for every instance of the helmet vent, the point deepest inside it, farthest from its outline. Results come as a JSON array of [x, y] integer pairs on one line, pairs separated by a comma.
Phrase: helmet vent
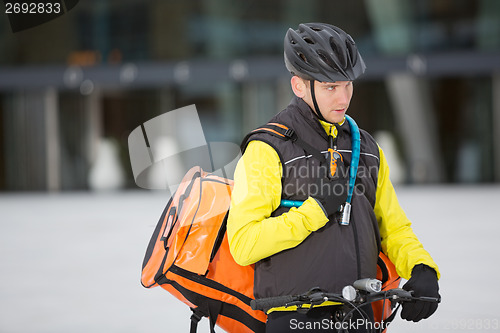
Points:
[[338, 50], [352, 53], [308, 40], [328, 60], [303, 57]]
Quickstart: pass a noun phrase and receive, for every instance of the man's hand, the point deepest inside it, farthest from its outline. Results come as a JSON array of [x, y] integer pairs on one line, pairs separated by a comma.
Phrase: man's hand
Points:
[[423, 282]]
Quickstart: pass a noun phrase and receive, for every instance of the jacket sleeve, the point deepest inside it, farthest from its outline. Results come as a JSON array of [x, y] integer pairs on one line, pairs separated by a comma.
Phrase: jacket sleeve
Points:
[[252, 234], [399, 242]]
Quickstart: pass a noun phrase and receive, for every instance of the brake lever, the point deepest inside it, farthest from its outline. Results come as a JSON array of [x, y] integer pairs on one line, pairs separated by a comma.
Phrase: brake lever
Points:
[[428, 299], [402, 295]]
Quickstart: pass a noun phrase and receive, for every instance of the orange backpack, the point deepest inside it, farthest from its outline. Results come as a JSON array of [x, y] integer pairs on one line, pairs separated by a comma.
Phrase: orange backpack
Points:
[[188, 256]]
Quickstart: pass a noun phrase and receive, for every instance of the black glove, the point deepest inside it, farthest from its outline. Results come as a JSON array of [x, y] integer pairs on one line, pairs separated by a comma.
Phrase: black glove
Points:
[[423, 282], [331, 192]]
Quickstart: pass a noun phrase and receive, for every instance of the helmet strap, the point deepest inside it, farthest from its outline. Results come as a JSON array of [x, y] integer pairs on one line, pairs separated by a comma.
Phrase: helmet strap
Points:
[[316, 111]]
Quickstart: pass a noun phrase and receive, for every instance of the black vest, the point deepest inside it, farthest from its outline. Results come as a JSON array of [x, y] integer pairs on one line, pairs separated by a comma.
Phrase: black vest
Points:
[[335, 255]]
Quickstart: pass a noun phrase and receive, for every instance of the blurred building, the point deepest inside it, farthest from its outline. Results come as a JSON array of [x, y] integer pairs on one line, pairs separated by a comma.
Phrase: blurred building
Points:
[[432, 85]]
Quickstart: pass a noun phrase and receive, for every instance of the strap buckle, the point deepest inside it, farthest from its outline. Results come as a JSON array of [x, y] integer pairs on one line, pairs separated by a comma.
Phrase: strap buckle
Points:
[[290, 134], [196, 316]]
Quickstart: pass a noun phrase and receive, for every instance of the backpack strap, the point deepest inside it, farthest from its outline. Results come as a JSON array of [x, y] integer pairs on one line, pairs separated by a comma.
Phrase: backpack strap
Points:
[[383, 269], [195, 319], [211, 309], [389, 319], [283, 132]]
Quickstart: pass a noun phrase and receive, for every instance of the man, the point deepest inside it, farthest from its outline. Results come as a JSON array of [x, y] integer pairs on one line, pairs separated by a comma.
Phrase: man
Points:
[[303, 247]]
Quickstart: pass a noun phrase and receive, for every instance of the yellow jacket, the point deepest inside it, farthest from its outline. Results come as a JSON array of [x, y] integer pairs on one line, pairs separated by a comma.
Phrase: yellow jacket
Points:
[[254, 235]]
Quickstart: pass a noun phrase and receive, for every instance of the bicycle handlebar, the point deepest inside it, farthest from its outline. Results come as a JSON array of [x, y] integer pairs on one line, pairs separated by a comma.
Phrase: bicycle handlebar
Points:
[[271, 302], [317, 297]]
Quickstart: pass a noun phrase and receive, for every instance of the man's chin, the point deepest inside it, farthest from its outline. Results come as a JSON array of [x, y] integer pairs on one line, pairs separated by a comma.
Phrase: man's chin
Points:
[[336, 118]]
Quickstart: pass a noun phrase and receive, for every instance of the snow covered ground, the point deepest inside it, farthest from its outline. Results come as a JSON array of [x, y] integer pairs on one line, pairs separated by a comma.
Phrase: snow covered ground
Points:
[[72, 262]]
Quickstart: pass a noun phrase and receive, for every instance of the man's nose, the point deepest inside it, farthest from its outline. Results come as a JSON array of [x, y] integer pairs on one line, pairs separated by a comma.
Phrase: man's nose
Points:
[[344, 96]]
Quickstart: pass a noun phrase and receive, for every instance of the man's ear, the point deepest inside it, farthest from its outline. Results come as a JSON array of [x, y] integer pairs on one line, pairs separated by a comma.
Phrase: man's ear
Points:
[[298, 86]]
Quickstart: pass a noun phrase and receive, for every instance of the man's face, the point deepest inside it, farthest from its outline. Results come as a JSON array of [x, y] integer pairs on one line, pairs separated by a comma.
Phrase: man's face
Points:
[[333, 98]]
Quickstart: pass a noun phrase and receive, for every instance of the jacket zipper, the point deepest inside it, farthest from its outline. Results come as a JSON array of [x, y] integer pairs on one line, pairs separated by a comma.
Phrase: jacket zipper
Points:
[[356, 240], [356, 245]]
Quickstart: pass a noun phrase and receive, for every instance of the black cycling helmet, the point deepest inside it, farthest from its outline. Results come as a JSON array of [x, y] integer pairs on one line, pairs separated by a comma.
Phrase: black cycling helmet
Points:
[[322, 52]]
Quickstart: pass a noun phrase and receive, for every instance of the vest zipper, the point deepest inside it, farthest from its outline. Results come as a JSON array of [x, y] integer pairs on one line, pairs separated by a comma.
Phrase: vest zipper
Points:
[[354, 230], [356, 245], [333, 144]]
